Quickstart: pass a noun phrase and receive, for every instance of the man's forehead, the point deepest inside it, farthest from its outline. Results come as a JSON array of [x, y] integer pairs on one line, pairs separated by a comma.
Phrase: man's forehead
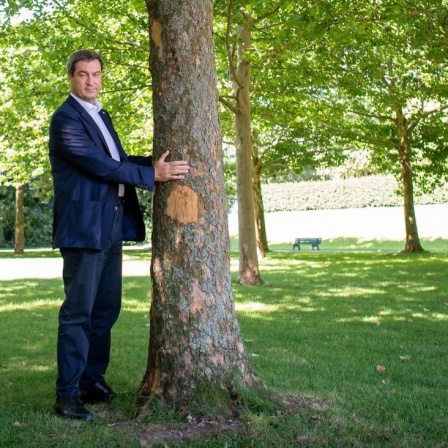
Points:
[[88, 66]]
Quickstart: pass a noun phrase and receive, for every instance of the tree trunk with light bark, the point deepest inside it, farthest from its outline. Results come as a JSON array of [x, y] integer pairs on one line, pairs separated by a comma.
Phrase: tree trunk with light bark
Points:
[[404, 150], [19, 232], [248, 273], [260, 223], [195, 347]]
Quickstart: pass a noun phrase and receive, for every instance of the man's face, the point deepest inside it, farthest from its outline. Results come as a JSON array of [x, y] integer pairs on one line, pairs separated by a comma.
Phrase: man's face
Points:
[[86, 81]]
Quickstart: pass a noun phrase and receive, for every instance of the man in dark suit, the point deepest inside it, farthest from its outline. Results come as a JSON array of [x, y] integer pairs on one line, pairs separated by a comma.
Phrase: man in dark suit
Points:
[[95, 209]]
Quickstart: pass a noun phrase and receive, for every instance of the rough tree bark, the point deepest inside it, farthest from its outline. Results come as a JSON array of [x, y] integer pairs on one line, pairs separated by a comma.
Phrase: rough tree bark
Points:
[[195, 341], [404, 149]]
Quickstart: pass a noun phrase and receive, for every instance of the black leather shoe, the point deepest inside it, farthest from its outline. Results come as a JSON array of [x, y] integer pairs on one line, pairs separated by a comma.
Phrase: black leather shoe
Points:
[[71, 407], [98, 393]]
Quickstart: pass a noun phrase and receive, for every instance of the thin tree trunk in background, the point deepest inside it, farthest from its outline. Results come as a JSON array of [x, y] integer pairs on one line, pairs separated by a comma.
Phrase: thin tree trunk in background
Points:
[[195, 342], [412, 238], [19, 232], [260, 223], [248, 273]]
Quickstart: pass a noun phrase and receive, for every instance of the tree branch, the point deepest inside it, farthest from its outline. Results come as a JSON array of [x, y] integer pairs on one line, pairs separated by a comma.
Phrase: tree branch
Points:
[[95, 31], [227, 104], [227, 41], [363, 114], [417, 120], [269, 13], [358, 136]]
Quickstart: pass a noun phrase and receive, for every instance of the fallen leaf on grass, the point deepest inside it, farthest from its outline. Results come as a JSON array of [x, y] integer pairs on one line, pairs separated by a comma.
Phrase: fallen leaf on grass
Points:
[[17, 424], [380, 368]]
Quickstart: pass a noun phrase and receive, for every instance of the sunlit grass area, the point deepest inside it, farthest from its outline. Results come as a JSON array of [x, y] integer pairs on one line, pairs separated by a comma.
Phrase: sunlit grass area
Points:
[[362, 335], [360, 245], [327, 245]]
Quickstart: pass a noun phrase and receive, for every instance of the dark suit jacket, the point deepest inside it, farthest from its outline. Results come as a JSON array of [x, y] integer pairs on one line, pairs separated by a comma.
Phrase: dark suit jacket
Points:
[[86, 178]]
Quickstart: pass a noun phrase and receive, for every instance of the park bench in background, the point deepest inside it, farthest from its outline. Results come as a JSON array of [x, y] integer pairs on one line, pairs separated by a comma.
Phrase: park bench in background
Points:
[[313, 242]]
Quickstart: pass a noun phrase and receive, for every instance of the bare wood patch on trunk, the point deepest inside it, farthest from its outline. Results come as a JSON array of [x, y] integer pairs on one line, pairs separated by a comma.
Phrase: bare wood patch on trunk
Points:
[[182, 205]]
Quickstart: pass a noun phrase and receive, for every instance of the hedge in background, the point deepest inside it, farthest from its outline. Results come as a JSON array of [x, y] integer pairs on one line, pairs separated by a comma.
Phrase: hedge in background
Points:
[[371, 191]]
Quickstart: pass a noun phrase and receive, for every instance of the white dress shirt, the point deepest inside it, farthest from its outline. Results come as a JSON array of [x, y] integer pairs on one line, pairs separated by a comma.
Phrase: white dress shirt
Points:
[[94, 111]]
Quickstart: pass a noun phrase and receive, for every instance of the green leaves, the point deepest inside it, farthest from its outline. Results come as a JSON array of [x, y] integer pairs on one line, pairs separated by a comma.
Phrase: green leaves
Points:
[[346, 64], [33, 75]]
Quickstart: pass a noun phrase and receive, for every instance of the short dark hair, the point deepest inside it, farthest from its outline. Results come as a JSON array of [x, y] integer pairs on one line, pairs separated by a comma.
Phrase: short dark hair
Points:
[[82, 55]]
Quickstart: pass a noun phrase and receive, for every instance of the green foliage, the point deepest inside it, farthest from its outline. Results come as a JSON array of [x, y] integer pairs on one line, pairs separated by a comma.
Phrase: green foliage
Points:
[[34, 49], [327, 77], [280, 134], [38, 216], [369, 62], [40, 48]]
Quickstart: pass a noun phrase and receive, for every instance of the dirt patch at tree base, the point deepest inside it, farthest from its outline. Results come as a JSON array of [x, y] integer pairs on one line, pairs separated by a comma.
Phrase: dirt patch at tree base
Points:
[[158, 435], [155, 435]]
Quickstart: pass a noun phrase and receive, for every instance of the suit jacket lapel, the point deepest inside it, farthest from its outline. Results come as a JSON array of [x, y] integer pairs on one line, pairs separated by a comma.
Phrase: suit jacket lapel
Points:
[[86, 117], [108, 122]]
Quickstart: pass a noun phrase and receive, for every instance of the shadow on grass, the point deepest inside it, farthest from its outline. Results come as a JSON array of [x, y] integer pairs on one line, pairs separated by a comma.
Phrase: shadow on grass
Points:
[[322, 324], [355, 244]]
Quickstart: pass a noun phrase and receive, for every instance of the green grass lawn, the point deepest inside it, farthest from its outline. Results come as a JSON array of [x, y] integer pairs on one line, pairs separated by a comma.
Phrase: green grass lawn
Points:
[[359, 337], [356, 245]]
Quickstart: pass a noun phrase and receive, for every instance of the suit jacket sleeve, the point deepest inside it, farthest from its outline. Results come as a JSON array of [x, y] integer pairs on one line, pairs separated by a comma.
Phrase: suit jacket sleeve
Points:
[[75, 138]]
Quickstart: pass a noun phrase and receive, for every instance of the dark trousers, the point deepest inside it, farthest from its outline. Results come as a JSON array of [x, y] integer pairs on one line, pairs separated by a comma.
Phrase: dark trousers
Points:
[[92, 285]]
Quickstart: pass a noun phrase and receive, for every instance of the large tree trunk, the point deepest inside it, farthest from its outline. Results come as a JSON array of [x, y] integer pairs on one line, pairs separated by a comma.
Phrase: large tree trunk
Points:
[[412, 238], [248, 262], [195, 342], [19, 233]]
